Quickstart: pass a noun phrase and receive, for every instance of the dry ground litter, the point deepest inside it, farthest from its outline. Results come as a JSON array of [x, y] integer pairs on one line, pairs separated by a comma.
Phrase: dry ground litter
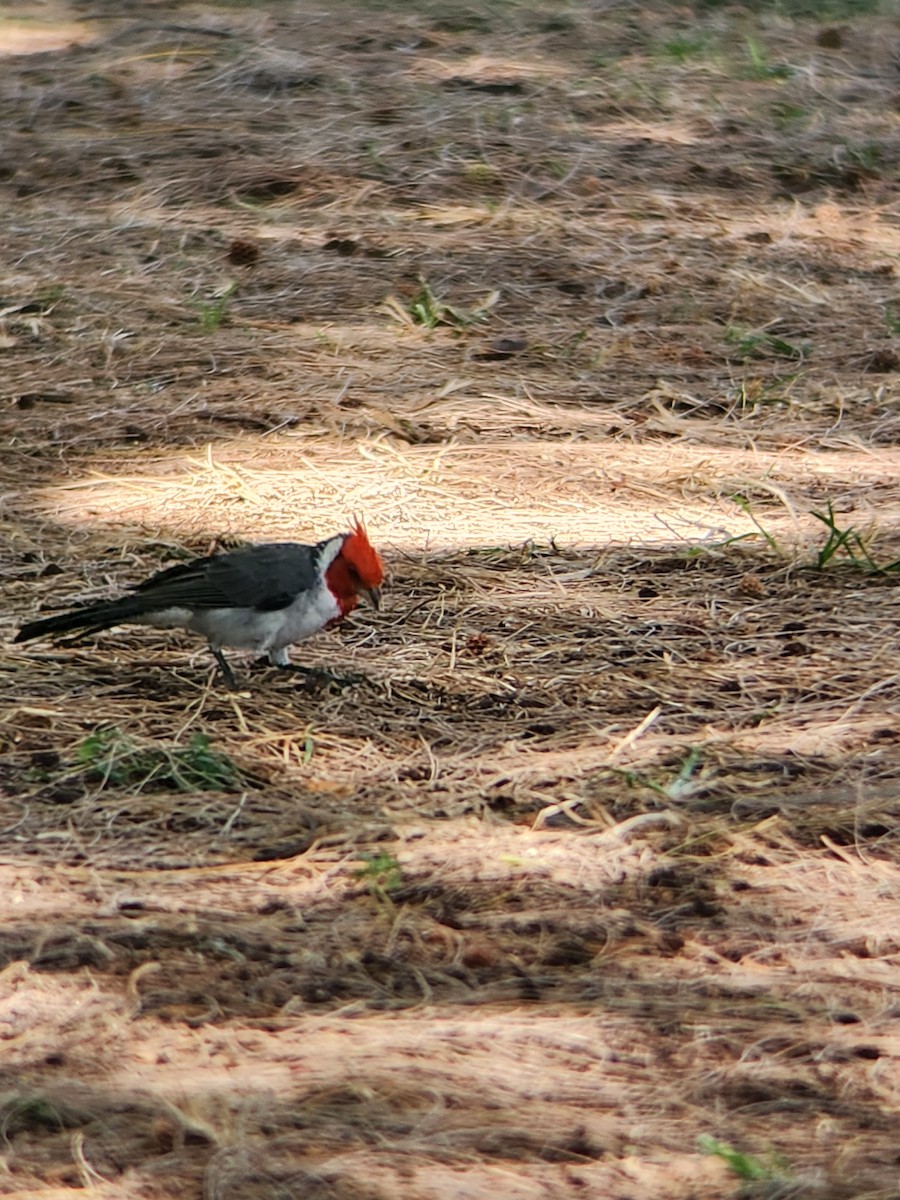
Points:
[[581, 877]]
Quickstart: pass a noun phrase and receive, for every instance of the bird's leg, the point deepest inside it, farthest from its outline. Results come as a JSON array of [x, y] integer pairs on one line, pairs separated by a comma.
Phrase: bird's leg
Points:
[[227, 674]]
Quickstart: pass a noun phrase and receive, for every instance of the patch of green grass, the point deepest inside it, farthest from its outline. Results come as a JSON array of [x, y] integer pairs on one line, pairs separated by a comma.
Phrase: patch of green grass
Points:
[[577, 350], [427, 309], [677, 788], [750, 343], [480, 172], [556, 168], [212, 314], [744, 505], [50, 296], [685, 782], [41, 303], [751, 394], [382, 873], [848, 542], [32, 1112], [892, 319], [373, 152], [111, 758], [748, 1167], [788, 116], [868, 156], [697, 550], [759, 65], [685, 46]]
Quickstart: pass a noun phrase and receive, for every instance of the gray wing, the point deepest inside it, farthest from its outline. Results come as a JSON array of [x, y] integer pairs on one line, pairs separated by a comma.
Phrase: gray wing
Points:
[[266, 578]]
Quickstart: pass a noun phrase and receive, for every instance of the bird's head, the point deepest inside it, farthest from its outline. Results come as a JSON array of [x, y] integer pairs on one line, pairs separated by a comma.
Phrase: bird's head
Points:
[[356, 571]]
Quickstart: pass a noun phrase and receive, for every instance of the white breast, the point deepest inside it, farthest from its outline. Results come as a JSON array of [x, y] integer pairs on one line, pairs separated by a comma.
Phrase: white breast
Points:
[[309, 613], [247, 629]]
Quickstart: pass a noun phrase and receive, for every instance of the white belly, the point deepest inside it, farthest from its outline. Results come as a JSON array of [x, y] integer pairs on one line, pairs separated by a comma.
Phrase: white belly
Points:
[[262, 632], [165, 618]]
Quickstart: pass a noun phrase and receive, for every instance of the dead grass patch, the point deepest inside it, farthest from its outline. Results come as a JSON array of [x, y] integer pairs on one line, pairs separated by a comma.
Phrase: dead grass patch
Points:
[[585, 882]]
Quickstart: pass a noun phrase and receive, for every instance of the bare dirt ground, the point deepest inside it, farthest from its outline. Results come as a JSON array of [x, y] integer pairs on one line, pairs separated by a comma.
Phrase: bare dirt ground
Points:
[[583, 879]]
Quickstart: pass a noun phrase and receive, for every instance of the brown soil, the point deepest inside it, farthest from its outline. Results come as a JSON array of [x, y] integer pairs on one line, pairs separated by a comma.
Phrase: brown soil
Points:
[[581, 877]]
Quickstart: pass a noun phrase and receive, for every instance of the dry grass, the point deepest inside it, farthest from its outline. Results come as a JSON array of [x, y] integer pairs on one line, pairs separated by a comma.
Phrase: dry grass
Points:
[[593, 853]]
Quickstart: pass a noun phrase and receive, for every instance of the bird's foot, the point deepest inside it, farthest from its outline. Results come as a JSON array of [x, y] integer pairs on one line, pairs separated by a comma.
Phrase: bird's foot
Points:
[[316, 676], [313, 677]]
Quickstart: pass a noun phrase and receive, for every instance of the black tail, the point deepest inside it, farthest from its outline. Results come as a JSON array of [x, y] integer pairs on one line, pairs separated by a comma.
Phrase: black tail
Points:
[[85, 621]]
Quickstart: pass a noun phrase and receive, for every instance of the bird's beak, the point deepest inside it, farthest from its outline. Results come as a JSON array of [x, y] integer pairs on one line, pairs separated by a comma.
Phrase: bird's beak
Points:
[[373, 595]]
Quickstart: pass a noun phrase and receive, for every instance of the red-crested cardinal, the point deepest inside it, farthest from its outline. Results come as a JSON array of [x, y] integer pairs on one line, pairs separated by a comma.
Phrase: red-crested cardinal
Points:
[[262, 598]]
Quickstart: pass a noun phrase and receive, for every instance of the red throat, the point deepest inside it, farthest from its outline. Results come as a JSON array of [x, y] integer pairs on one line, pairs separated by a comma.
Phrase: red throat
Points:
[[356, 567], [342, 585]]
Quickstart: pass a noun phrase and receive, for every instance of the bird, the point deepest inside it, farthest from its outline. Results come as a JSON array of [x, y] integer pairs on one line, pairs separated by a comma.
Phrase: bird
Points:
[[262, 597]]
